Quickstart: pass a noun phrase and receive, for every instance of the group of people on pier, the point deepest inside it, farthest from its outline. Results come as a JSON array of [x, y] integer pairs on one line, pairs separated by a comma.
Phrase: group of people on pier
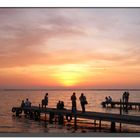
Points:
[[60, 104], [83, 101], [108, 99], [26, 103], [125, 97], [82, 98]]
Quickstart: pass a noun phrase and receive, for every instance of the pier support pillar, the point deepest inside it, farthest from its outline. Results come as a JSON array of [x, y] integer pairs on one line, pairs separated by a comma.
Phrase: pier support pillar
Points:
[[36, 115], [17, 113], [61, 119], [75, 122], [103, 104], [51, 117], [31, 115], [112, 105], [100, 125], [75, 118], [113, 127], [94, 125]]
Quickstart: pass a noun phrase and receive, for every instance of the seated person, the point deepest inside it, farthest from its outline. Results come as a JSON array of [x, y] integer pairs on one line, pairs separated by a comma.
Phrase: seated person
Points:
[[109, 99], [106, 100]]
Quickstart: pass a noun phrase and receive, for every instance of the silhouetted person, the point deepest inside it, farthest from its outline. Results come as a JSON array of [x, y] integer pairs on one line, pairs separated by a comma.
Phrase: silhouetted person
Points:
[[59, 105], [73, 99], [126, 100], [106, 100], [109, 99], [27, 103], [83, 101], [46, 96], [124, 97], [62, 105], [45, 100], [127, 97], [22, 104]]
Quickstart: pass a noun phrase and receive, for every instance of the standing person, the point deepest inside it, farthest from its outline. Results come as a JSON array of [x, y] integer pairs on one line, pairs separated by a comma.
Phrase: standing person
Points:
[[45, 100], [27, 103], [73, 99], [62, 105], [127, 97], [58, 105], [124, 99], [83, 101], [22, 104]]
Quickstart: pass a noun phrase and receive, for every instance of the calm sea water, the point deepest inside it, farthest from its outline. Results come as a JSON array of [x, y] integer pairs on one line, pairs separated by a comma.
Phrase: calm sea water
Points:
[[8, 99]]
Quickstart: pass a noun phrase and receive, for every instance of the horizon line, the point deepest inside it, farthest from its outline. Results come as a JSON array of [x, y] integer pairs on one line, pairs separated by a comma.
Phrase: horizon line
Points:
[[71, 89]]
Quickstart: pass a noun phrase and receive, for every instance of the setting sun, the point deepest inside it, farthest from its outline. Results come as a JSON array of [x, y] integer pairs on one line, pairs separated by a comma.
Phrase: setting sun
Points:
[[70, 74]]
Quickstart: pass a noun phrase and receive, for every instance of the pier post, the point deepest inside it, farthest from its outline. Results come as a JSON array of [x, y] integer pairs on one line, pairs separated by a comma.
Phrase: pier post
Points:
[[61, 119], [95, 125], [17, 113], [120, 113], [75, 122], [46, 116], [112, 105], [39, 113], [100, 125], [50, 118], [103, 104], [75, 118], [113, 125], [31, 115]]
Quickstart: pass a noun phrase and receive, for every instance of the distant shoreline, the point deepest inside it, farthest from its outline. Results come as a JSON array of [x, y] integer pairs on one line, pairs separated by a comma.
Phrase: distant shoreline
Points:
[[70, 89]]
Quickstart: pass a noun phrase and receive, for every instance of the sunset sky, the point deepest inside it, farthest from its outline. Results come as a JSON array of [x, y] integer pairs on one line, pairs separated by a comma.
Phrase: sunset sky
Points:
[[69, 47]]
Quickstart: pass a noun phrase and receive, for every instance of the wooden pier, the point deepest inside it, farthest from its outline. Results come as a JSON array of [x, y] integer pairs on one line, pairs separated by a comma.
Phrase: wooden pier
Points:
[[35, 112], [113, 104]]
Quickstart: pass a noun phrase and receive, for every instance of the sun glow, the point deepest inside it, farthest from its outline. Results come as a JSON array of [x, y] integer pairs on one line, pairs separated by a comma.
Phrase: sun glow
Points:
[[70, 75]]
